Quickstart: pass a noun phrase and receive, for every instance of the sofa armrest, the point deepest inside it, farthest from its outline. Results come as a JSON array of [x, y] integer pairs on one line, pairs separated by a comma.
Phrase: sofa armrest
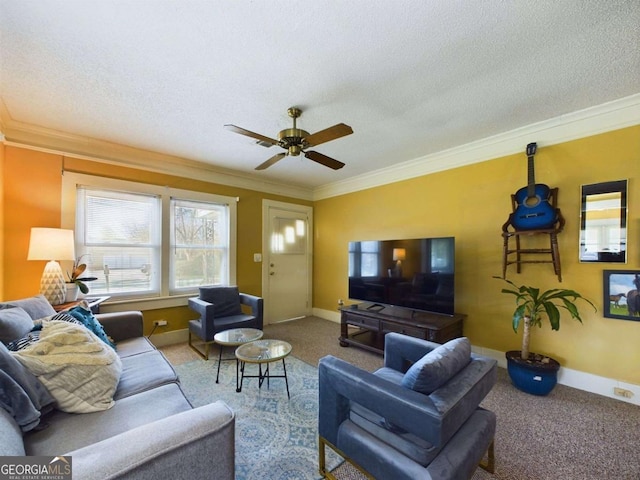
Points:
[[122, 325], [198, 443], [256, 304]]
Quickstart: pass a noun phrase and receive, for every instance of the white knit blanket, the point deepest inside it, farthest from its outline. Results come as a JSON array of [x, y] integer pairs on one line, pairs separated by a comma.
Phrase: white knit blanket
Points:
[[80, 371]]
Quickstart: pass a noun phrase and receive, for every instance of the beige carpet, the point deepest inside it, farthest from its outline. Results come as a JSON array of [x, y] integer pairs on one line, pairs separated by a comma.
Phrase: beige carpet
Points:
[[569, 434]]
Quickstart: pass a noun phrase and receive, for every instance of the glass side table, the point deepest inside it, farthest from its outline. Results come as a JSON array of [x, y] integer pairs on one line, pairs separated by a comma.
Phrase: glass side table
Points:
[[233, 338], [263, 352]]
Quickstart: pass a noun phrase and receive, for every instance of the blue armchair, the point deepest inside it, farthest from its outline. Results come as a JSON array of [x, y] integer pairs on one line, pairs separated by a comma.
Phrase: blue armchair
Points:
[[220, 308], [418, 417]]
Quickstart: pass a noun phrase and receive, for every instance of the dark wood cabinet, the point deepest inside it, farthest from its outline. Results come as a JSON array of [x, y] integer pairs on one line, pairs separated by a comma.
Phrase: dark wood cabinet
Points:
[[366, 328]]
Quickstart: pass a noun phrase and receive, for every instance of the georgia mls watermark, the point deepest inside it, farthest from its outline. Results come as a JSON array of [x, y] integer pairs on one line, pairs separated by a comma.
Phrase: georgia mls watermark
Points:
[[35, 468]]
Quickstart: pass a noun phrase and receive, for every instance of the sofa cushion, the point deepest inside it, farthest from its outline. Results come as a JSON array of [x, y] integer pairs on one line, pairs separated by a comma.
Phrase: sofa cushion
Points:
[[21, 393], [70, 432], [134, 346], [77, 368], [438, 366], [226, 300], [414, 447], [143, 372], [15, 323], [36, 307]]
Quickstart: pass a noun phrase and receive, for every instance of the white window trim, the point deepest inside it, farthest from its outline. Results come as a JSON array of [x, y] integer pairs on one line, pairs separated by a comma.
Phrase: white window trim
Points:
[[70, 182]]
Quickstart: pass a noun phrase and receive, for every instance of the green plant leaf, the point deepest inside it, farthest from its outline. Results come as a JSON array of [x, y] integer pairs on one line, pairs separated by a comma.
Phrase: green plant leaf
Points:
[[554, 315], [517, 317]]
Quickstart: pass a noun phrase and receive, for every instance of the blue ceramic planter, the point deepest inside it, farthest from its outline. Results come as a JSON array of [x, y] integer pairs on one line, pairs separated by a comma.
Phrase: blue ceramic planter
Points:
[[532, 376]]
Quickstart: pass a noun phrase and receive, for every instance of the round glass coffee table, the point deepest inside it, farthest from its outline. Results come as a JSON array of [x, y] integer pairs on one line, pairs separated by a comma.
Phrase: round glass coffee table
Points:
[[263, 352], [233, 338]]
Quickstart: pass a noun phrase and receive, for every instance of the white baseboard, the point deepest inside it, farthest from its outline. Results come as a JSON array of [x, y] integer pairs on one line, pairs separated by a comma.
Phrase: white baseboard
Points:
[[566, 376]]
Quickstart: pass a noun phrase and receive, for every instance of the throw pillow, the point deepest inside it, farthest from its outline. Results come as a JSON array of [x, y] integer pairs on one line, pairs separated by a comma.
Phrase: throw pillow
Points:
[[438, 366], [34, 335], [21, 393], [14, 323], [36, 307], [225, 299], [84, 314], [79, 370]]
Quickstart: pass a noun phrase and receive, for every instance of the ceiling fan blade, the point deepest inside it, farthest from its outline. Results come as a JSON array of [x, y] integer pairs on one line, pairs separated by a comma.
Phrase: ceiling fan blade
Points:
[[271, 161], [264, 141], [328, 134], [324, 160]]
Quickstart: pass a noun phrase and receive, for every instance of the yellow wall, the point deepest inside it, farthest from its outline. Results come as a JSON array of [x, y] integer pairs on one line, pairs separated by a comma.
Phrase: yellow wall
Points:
[[32, 185], [471, 203]]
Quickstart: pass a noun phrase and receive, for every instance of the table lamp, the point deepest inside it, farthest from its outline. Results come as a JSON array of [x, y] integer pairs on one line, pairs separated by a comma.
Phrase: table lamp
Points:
[[52, 244]]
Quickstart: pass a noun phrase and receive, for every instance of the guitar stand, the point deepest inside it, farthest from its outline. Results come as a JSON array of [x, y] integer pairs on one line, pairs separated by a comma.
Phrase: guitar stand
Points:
[[509, 231]]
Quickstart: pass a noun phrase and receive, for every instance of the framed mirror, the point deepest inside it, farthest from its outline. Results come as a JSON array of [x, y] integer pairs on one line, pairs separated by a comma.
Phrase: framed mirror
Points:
[[603, 222]]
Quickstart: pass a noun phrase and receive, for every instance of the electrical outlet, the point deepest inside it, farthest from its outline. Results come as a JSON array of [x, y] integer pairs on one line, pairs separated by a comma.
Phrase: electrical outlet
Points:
[[621, 392], [160, 323]]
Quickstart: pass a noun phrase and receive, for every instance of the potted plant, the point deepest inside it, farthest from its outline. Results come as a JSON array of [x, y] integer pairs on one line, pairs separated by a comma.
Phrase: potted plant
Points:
[[531, 372], [76, 281]]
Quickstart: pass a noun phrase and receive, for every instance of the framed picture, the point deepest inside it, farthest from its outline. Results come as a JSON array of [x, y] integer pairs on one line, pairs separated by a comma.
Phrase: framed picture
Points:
[[622, 294]]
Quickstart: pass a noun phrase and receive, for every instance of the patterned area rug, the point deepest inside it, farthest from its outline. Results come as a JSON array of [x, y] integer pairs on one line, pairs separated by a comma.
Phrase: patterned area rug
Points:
[[276, 437]]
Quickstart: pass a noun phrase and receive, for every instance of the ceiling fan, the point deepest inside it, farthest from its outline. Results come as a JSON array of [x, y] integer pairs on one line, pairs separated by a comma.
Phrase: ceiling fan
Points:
[[296, 141]]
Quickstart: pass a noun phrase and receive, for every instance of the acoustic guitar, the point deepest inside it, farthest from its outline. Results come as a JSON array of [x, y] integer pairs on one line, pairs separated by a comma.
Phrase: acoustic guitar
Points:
[[533, 209]]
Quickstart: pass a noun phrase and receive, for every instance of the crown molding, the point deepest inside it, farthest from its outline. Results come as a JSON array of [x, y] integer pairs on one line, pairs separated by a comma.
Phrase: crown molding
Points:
[[32, 137], [606, 117], [614, 115]]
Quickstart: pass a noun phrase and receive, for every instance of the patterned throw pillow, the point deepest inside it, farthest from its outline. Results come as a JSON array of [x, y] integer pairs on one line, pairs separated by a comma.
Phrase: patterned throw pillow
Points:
[[34, 335]]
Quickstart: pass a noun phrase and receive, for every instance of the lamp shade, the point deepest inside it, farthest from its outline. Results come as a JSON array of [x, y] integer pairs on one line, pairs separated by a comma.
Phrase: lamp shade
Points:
[[51, 244], [399, 254]]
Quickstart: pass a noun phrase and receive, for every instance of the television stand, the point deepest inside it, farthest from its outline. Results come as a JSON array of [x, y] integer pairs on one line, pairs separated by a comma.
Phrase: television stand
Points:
[[366, 328]]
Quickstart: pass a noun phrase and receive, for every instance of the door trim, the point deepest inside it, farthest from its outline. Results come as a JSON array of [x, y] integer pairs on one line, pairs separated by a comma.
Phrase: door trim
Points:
[[266, 253]]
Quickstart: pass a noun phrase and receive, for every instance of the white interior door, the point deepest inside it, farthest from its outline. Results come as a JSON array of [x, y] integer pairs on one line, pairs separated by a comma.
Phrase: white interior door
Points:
[[287, 261]]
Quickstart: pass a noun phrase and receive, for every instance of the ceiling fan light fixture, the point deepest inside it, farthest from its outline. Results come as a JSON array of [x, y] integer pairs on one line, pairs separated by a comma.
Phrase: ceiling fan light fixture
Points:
[[295, 141]]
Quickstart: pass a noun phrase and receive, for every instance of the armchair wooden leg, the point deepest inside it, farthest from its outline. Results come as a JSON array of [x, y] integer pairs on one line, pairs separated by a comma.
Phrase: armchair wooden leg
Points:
[[490, 464]]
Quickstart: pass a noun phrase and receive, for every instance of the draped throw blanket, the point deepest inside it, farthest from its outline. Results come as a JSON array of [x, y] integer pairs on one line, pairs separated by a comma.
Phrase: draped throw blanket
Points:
[[80, 371]]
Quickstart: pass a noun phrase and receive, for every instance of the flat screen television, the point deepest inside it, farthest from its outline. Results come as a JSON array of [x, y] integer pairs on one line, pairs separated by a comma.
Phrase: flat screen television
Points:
[[417, 273]]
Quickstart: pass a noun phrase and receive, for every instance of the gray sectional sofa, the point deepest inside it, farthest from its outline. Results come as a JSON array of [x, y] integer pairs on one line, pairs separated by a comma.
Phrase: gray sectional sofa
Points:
[[150, 432]]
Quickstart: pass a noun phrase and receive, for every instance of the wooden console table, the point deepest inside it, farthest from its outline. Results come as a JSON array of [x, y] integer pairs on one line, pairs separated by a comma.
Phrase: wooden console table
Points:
[[373, 325]]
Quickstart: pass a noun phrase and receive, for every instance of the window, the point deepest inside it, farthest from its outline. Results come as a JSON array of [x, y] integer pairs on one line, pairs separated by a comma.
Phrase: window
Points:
[[119, 235], [363, 259], [199, 244], [148, 241]]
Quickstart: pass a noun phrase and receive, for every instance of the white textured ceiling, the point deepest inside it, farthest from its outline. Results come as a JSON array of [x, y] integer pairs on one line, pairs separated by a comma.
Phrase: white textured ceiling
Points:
[[411, 77]]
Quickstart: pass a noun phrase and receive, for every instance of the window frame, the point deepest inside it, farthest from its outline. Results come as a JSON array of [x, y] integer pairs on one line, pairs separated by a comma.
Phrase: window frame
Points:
[[70, 182]]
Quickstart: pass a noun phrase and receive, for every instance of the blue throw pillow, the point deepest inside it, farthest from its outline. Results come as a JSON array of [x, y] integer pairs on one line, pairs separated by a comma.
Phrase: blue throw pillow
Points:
[[438, 366], [14, 323], [89, 320]]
